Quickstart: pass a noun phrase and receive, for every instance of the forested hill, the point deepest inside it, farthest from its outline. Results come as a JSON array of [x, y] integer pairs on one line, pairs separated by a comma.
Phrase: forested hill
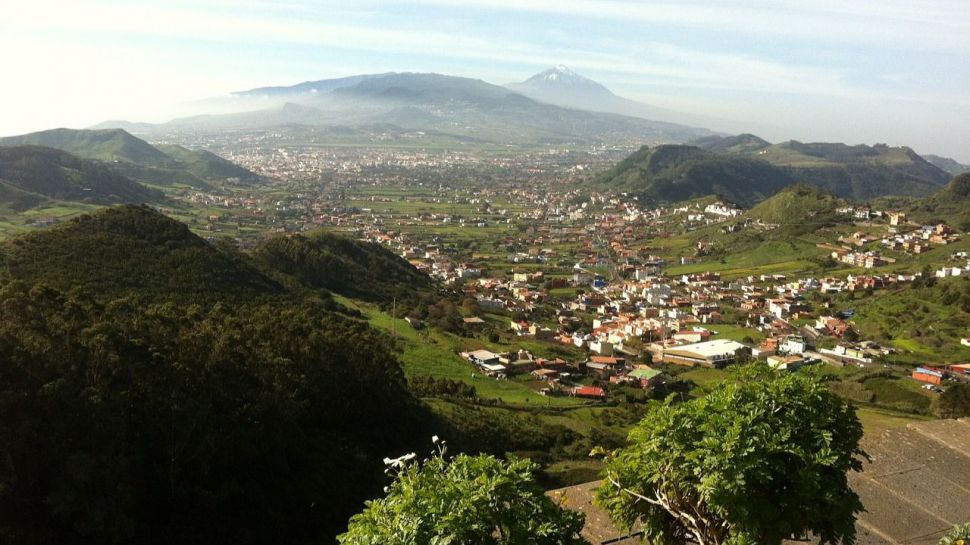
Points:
[[858, 172], [30, 175], [156, 388], [797, 210], [104, 145], [678, 173], [134, 250], [174, 423], [343, 265], [951, 204], [137, 159]]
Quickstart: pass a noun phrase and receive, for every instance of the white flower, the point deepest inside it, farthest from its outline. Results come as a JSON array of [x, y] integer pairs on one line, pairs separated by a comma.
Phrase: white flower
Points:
[[434, 438]]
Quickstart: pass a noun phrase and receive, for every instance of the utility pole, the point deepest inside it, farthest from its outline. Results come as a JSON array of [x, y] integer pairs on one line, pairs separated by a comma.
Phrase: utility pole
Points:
[[394, 317]]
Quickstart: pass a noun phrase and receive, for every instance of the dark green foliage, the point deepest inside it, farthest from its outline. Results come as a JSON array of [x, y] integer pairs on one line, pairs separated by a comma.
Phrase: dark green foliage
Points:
[[133, 249], [497, 430], [345, 266], [955, 401], [30, 174], [758, 460], [140, 423], [428, 386]]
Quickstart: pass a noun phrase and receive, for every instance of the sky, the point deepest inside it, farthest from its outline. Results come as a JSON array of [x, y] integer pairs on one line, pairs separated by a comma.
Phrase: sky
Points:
[[858, 71]]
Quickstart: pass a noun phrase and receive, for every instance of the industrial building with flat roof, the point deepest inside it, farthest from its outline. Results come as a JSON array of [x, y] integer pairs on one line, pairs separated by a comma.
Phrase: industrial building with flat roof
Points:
[[717, 353]]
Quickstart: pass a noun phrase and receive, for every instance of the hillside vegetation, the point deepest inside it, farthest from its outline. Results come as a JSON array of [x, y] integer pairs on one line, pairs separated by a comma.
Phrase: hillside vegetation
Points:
[[136, 158], [154, 384], [124, 422], [343, 265], [951, 204], [746, 169], [678, 173], [133, 250], [798, 209], [30, 175]]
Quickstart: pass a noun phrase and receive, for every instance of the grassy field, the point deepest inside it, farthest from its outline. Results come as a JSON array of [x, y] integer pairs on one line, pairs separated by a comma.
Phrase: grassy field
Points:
[[875, 421], [433, 353], [771, 257], [921, 322]]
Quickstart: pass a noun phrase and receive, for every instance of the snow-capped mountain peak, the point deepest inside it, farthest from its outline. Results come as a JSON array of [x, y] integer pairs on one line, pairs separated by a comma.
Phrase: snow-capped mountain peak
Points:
[[558, 80]]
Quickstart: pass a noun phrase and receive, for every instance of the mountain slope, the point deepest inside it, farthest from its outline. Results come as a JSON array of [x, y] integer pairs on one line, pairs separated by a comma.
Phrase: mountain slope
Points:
[[563, 87], [947, 164], [209, 166], [742, 143], [677, 173], [798, 209], [343, 265], [951, 204], [133, 249], [859, 172], [136, 158], [31, 174], [307, 87], [104, 145], [461, 108]]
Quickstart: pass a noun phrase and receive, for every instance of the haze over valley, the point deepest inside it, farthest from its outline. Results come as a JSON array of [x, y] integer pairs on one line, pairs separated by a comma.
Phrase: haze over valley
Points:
[[485, 272]]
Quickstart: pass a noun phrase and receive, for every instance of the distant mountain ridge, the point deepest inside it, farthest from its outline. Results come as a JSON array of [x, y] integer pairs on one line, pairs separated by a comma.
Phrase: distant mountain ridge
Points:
[[449, 107], [563, 87], [953, 167]]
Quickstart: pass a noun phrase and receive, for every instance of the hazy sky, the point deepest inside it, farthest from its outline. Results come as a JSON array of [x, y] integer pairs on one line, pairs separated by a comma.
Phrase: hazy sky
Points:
[[888, 71]]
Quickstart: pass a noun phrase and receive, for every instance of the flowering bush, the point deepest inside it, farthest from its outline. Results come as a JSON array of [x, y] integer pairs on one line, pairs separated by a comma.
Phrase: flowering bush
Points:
[[465, 500], [959, 535]]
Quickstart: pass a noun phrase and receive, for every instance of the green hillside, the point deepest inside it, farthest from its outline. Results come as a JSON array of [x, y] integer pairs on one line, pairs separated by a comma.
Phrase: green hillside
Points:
[[207, 165], [343, 265], [799, 207], [133, 250], [951, 204], [29, 175], [855, 172], [953, 167], [104, 145], [129, 422], [679, 173], [137, 159], [742, 143]]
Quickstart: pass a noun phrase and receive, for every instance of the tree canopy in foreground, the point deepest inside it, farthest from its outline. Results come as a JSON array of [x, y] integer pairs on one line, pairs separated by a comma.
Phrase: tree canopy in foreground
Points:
[[465, 500], [760, 459]]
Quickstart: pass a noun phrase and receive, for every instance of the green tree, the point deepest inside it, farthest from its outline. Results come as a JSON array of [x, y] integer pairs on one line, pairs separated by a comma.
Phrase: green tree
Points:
[[955, 401], [760, 459], [467, 500]]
